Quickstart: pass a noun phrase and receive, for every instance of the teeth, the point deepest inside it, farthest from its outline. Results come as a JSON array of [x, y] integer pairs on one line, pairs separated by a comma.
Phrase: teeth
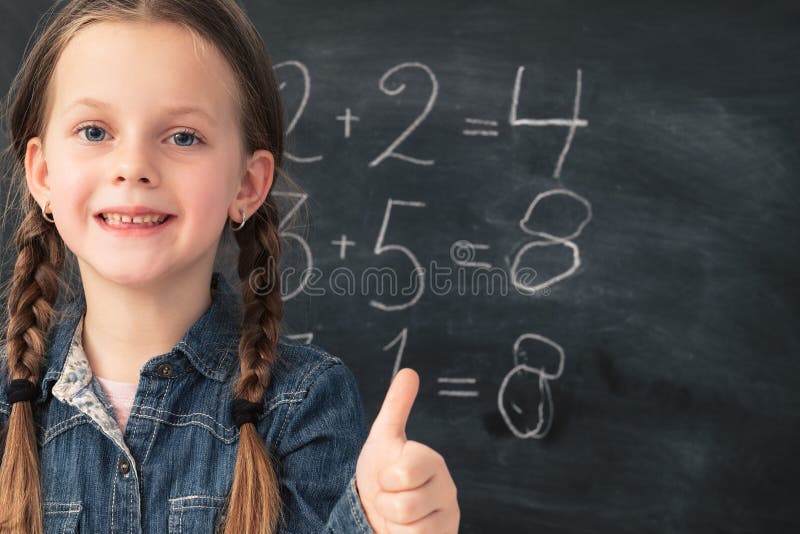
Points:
[[117, 218]]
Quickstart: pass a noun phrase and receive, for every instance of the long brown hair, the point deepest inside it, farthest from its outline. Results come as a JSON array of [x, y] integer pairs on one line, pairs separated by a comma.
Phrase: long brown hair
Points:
[[254, 504]]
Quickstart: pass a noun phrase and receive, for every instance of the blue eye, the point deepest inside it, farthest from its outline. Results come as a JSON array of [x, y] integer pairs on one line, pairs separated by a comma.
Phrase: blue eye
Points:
[[94, 131], [190, 133], [92, 128]]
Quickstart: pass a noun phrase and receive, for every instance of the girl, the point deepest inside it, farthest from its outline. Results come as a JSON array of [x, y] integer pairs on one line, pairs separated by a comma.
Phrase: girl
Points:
[[140, 126]]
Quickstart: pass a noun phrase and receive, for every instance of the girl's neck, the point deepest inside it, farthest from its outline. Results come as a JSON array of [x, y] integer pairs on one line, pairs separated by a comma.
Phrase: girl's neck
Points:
[[123, 328]]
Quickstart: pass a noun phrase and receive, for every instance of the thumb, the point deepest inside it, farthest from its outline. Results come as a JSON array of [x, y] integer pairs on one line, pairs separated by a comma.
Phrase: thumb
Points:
[[393, 415]]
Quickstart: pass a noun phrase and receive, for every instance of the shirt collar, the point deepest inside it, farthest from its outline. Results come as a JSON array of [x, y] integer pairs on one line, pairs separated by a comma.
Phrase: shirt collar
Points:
[[210, 344]]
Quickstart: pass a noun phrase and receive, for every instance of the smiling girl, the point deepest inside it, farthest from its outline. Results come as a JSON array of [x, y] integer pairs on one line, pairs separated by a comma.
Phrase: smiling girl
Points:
[[161, 398]]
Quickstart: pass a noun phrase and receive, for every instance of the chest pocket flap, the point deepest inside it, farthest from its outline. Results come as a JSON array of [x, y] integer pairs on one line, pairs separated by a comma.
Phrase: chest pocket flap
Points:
[[196, 514], [61, 517]]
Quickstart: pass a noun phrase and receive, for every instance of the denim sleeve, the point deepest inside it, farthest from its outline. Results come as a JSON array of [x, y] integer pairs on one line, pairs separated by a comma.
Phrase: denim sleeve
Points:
[[318, 450]]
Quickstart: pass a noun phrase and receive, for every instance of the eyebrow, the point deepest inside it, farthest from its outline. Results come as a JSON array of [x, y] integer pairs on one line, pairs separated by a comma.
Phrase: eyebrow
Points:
[[172, 111]]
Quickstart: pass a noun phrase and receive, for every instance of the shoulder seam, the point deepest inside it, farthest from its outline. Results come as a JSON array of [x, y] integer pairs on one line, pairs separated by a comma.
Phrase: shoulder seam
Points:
[[327, 362], [326, 359]]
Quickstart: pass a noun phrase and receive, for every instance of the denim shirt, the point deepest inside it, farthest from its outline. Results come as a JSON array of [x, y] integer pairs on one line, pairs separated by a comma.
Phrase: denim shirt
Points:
[[172, 469]]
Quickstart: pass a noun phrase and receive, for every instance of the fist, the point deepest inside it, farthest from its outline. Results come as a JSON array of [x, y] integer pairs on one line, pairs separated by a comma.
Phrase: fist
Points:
[[404, 486]]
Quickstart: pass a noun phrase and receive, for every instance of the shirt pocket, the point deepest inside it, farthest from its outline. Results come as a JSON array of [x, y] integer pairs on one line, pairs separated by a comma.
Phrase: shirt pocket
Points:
[[196, 514], [61, 517]]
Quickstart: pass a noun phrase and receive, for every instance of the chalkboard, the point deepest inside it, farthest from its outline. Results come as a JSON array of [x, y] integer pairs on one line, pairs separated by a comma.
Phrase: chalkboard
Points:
[[589, 212]]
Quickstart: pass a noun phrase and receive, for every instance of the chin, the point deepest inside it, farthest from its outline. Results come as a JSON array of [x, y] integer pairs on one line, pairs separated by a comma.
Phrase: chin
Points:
[[129, 275]]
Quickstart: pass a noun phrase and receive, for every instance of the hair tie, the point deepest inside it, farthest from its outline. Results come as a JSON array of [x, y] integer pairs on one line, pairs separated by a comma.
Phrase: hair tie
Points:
[[20, 389], [245, 411]]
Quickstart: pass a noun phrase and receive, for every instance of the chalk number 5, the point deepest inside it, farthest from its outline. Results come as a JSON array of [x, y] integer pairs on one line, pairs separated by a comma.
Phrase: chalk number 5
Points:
[[380, 248]]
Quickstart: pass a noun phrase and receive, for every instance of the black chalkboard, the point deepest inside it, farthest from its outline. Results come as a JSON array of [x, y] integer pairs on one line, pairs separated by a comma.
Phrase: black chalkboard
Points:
[[611, 191]]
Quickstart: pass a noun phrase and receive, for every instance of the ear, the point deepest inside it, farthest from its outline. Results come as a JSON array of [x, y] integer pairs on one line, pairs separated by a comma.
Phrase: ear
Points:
[[255, 185], [36, 172]]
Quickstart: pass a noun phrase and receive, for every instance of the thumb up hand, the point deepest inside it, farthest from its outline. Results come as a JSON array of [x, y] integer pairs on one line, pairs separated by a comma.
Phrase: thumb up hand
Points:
[[404, 486]]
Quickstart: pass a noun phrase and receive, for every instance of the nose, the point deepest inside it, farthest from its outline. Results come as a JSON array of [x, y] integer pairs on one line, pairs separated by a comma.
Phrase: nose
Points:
[[134, 165]]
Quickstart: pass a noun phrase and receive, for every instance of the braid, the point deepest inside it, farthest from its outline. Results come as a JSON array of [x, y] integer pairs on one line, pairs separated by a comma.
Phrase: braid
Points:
[[260, 249], [255, 504], [31, 302]]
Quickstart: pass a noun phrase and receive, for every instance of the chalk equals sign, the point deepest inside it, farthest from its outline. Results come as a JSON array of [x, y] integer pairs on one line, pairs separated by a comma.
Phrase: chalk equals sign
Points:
[[456, 392], [482, 122]]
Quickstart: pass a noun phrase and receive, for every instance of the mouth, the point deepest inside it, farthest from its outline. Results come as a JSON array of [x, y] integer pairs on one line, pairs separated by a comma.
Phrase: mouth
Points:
[[117, 221], [129, 229]]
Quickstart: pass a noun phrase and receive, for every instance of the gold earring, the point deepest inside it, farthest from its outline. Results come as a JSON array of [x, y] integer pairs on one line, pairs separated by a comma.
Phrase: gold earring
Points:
[[44, 213], [241, 225]]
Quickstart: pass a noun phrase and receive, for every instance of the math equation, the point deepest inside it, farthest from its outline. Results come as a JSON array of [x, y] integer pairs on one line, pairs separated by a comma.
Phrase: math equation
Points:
[[523, 396]]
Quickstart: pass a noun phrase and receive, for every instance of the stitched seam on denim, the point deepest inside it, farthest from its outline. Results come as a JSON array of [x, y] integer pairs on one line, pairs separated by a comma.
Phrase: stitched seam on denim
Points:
[[203, 414], [182, 508], [193, 414], [160, 411], [308, 374], [199, 361], [100, 428], [70, 504], [322, 353], [317, 350], [149, 385], [190, 423], [223, 362], [183, 346], [155, 428], [113, 497], [72, 422], [62, 512], [130, 510], [299, 396], [286, 418], [231, 429], [351, 496], [289, 412], [174, 500], [52, 375]]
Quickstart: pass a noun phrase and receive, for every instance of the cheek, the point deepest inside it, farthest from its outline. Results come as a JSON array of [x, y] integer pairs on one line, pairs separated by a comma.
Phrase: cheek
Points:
[[71, 178], [204, 199], [72, 212], [71, 192]]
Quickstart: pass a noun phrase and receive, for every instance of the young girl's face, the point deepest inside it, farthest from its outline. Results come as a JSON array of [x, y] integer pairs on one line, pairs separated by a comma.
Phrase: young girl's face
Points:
[[115, 138]]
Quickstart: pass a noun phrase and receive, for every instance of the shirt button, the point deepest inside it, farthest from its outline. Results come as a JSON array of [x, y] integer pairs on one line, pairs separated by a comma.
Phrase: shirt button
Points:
[[165, 370], [124, 467]]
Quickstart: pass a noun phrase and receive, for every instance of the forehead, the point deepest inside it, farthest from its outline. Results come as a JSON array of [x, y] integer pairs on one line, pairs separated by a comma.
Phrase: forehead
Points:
[[137, 67]]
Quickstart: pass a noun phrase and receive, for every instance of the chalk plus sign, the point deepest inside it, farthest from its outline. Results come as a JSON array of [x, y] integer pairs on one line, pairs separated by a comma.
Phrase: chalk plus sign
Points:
[[343, 244], [346, 118]]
